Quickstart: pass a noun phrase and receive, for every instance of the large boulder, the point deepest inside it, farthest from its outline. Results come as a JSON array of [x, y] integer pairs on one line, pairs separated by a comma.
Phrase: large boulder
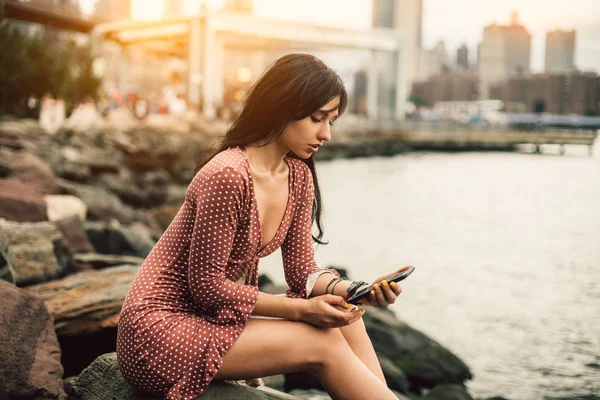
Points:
[[32, 171], [19, 202], [31, 252], [104, 205], [425, 362], [30, 355], [143, 189], [64, 206], [102, 380], [127, 240], [88, 301]]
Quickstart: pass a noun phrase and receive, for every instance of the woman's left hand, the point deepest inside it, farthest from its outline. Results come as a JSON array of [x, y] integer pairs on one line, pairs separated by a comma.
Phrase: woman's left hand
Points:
[[383, 294]]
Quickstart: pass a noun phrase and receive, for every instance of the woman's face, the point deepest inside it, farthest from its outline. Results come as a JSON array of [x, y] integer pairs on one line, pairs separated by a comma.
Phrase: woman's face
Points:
[[305, 136]]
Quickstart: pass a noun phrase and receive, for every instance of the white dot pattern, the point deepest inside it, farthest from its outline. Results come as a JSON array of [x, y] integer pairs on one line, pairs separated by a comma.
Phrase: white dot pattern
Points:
[[186, 306]]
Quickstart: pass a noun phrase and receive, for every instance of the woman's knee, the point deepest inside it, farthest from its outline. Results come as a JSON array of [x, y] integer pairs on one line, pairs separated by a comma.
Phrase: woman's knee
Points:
[[328, 344]]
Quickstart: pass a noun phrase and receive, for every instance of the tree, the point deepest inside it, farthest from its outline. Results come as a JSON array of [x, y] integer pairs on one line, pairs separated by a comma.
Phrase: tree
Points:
[[30, 66]]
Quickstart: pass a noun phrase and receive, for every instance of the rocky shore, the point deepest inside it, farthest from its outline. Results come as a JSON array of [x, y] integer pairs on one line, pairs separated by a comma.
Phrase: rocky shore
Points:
[[79, 211]]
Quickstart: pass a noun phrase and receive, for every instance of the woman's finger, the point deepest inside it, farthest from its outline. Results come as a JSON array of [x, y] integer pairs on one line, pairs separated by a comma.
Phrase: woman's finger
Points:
[[388, 292], [396, 288], [380, 296]]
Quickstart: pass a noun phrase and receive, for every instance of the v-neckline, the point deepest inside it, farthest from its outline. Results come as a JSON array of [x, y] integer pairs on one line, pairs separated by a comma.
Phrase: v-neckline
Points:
[[255, 201]]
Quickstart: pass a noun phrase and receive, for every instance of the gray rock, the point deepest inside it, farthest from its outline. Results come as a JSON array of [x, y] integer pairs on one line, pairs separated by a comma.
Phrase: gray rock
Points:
[[396, 379], [102, 380], [425, 362], [113, 238], [103, 205], [32, 252], [30, 363]]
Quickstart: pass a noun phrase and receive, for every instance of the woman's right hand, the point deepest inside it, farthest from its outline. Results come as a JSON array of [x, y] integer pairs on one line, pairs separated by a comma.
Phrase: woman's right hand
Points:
[[329, 311]]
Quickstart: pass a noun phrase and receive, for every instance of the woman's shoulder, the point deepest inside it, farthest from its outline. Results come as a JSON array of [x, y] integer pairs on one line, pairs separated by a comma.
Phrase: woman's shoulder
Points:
[[227, 167], [230, 160]]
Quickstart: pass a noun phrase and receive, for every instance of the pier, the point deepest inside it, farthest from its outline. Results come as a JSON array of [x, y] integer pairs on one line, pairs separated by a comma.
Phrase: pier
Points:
[[450, 136]]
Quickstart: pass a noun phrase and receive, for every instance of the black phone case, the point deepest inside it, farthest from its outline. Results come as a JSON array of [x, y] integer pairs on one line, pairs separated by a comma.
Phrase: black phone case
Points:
[[364, 292]]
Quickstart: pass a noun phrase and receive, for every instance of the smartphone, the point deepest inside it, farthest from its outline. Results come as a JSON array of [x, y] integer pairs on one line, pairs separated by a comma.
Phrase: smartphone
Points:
[[394, 278]]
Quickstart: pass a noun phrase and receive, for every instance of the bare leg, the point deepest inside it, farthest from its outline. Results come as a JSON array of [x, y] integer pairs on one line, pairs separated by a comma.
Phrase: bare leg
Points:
[[274, 346], [360, 343]]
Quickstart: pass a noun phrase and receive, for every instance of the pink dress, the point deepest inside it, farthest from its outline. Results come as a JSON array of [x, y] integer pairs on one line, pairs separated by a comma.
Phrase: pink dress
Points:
[[185, 308]]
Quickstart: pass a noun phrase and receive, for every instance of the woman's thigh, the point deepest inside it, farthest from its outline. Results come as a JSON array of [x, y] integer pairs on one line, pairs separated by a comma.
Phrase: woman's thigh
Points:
[[273, 346]]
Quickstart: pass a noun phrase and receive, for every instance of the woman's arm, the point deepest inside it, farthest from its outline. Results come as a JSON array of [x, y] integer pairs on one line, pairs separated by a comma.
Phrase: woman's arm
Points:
[[325, 311], [217, 197]]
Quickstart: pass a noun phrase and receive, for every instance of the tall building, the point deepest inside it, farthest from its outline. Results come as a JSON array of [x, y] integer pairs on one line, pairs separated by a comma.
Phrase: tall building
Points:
[[383, 13], [405, 16], [462, 57], [560, 51], [432, 61], [113, 10], [554, 93], [505, 51]]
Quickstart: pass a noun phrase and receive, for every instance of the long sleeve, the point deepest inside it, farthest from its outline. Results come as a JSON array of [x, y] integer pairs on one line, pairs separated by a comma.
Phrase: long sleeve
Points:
[[297, 249], [218, 199]]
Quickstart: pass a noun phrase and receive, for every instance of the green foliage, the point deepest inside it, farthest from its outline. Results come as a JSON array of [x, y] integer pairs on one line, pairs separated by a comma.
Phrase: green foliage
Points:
[[30, 65]]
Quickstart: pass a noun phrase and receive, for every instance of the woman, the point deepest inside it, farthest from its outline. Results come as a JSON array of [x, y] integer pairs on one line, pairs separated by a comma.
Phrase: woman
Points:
[[186, 319]]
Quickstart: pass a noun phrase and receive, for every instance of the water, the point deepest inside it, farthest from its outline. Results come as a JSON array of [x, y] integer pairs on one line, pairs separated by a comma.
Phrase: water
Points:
[[507, 251]]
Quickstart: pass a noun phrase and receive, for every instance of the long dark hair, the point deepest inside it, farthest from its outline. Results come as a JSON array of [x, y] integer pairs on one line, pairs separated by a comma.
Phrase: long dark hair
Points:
[[292, 88]]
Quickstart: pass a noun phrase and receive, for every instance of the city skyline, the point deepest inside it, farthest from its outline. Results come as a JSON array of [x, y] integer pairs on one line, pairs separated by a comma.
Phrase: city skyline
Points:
[[444, 20]]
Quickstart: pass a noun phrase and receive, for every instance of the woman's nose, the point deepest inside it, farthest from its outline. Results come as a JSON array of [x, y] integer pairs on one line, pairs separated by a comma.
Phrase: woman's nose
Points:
[[325, 133]]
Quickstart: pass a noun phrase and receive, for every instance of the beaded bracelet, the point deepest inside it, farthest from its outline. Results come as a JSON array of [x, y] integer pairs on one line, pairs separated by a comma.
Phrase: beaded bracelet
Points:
[[343, 278], [329, 284]]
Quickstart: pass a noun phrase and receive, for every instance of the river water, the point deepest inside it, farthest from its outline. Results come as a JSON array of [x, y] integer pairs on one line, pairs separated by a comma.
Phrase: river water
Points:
[[507, 251]]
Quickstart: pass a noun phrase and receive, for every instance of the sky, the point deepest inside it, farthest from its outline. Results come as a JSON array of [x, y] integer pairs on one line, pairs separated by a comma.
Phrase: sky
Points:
[[454, 21]]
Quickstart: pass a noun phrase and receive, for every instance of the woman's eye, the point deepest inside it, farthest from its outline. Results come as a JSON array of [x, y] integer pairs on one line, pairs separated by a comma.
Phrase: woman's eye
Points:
[[331, 123], [315, 119]]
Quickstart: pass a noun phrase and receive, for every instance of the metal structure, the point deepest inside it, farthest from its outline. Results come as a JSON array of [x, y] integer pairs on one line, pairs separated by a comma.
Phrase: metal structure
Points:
[[203, 40]]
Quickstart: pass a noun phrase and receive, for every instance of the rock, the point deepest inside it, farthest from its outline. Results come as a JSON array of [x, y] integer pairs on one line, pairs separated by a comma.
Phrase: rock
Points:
[[103, 205], [33, 172], [102, 380], [310, 394], [13, 144], [19, 202], [448, 392], [424, 361], [76, 241], [143, 189], [396, 379], [33, 252], [30, 363], [97, 161], [20, 129], [112, 238], [275, 382], [99, 261], [65, 206], [87, 301]]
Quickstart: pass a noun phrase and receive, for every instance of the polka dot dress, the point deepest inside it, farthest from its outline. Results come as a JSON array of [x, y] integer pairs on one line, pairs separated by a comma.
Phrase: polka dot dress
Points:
[[186, 306]]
